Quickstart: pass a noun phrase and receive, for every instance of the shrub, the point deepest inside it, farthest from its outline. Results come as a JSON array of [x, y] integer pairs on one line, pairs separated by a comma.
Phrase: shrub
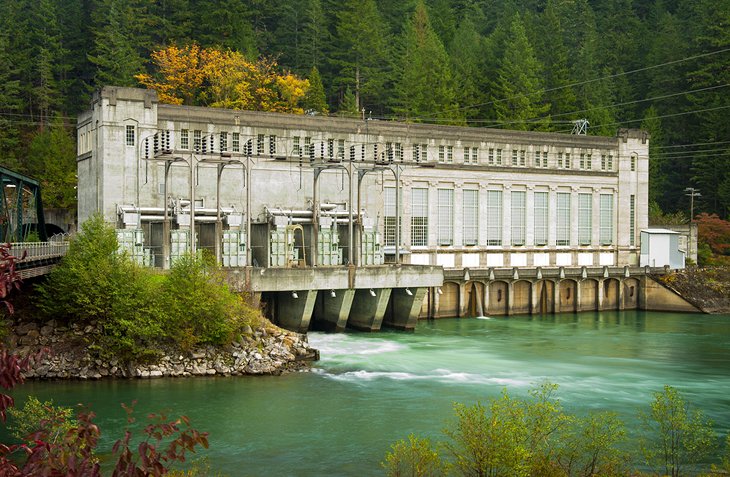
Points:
[[96, 284], [36, 417], [675, 436], [415, 458]]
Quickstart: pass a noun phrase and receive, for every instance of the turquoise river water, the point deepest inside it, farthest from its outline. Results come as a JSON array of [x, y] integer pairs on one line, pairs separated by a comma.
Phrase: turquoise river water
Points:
[[370, 390]]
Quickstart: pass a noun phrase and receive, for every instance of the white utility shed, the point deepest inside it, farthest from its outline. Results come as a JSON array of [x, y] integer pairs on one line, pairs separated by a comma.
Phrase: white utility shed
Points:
[[660, 247]]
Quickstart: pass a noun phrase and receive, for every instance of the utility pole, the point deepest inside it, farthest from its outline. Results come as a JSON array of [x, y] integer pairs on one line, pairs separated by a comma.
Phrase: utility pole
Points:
[[692, 193]]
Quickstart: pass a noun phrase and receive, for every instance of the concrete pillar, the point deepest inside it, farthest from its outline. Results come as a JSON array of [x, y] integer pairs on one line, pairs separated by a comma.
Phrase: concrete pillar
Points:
[[463, 304], [535, 286], [367, 311], [578, 295], [510, 297], [485, 298], [621, 305], [295, 313], [404, 308], [601, 287], [331, 312]]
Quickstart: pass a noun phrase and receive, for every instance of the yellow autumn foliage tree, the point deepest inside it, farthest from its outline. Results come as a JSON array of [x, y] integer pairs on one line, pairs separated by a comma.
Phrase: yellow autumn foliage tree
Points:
[[223, 79]]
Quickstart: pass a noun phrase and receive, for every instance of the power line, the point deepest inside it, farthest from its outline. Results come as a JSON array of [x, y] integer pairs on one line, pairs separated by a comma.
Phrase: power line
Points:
[[615, 105], [615, 75], [493, 123], [656, 117], [684, 153], [693, 144]]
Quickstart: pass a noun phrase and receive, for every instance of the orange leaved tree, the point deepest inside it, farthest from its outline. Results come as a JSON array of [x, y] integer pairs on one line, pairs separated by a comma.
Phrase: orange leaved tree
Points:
[[224, 79]]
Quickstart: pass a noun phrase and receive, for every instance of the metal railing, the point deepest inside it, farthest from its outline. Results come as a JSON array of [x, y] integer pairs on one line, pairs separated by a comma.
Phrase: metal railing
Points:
[[37, 251]]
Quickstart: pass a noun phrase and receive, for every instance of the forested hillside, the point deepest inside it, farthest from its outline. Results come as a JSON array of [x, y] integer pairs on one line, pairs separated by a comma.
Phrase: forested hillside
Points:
[[663, 65]]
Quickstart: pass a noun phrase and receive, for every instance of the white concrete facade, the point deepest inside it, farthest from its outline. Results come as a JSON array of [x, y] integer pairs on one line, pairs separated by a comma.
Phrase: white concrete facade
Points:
[[493, 198]]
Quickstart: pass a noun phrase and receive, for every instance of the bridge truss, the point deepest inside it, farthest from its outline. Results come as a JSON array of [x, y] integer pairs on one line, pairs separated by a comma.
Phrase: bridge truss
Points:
[[21, 207]]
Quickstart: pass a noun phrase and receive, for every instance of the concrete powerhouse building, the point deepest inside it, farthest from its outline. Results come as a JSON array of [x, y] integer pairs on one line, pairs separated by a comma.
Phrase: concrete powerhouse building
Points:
[[473, 220]]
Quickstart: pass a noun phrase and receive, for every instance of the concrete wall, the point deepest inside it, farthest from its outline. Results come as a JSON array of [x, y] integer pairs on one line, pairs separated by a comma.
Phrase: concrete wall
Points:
[[112, 173], [657, 297]]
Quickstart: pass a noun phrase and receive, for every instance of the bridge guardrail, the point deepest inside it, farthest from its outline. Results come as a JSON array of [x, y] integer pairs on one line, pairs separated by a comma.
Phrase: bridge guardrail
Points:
[[38, 250]]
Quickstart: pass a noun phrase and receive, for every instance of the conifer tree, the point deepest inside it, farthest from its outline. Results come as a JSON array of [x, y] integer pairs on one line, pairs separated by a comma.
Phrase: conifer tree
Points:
[[550, 47], [315, 99], [361, 59], [114, 56], [711, 172], [9, 107], [594, 89], [52, 159], [424, 88], [466, 58], [228, 24], [518, 93]]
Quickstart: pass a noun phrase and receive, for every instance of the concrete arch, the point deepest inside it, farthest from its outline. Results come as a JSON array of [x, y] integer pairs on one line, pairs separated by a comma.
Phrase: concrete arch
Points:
[[588, 294], [610, 294], [498, 298], [567, 296], [544, 297], [474, 299], [521, 297], [448, 300], [630, 294]]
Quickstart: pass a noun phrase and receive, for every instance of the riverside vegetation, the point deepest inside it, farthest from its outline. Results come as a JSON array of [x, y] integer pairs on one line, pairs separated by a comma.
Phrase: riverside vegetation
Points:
[[104, 315], [536, 437], [123, 313]]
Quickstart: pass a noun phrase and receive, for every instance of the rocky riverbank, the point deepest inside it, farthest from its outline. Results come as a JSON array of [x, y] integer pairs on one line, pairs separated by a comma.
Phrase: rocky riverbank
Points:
[[706, 288], [70, 355]]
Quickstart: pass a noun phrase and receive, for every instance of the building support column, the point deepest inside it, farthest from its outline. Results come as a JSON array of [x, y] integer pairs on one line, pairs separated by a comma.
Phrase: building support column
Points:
[[367, 311], [510, 298], [535, 287], [295, 312], [404, 308], [333, 309], [600, 294], [579, 295]]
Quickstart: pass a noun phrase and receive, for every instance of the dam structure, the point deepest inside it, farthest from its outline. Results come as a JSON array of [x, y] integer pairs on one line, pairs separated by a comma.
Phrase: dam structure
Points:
[[334, 222]]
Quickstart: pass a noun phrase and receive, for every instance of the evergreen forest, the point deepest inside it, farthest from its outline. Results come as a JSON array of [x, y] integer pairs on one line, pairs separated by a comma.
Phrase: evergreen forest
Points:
[[660, 65]]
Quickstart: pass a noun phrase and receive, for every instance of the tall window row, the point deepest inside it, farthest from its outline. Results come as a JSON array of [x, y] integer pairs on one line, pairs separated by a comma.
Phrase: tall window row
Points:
[[564, 224]]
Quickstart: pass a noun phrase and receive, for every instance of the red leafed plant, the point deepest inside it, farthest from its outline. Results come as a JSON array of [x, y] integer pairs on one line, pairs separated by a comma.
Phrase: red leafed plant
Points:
[[9, 277], [151, 458], [74, 453]]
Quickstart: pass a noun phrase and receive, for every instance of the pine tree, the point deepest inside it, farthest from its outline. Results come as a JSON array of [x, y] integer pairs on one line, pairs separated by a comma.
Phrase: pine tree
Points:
[[443, 20], [348, 105], [550, 47], [114, 54], [227, 23], [172, 21], [466, 58], [657, 163], [315, 99], [74, 18], [362, 56], [518, 93], [711, 172], [424, 88], [52, 159], [10, 104], [595, 90]]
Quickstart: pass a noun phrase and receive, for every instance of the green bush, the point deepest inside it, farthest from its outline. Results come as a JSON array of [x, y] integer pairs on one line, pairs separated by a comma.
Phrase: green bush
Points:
[[200, 308], [415, 458], [137, 309], [675, 436], [35, 416], [515, 437]]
